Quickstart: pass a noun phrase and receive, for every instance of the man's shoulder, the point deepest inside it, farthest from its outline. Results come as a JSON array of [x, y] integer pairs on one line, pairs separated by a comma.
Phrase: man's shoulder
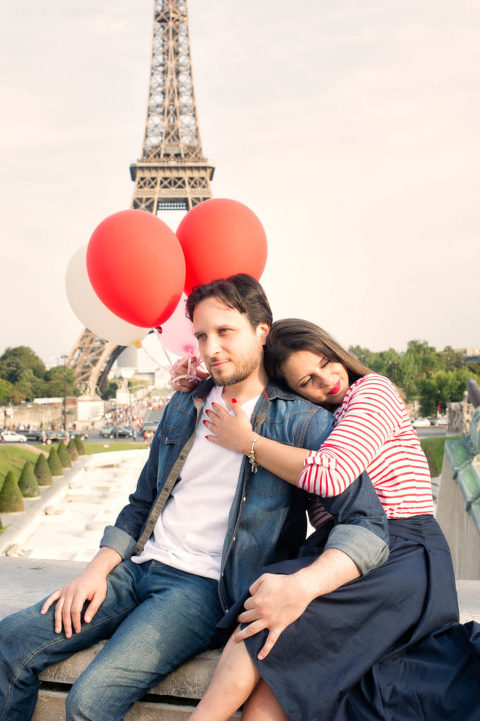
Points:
[[181, 401], [279, 393]]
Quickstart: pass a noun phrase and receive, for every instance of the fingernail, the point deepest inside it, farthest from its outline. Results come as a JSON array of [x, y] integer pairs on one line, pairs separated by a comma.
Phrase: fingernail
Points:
[[207, 437], [234, 400], [204, 423]]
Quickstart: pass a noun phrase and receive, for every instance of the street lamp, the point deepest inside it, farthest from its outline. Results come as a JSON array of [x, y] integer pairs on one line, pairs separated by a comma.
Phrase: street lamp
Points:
[[64, 357]]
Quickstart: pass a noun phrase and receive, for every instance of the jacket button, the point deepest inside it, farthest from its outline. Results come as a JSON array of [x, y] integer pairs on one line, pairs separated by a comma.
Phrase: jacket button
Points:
[[234, 538], [181, 457], [244, 499]]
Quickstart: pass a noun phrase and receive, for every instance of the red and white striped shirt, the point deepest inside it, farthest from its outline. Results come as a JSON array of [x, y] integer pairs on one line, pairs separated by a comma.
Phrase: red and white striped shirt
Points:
[[372, 433]]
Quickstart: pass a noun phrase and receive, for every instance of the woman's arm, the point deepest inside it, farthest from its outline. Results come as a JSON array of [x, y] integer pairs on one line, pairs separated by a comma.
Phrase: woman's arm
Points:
[[373, 414], [235, 432]]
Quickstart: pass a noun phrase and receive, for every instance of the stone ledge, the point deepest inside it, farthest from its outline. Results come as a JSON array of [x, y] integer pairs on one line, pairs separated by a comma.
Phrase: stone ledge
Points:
[[25, 581]]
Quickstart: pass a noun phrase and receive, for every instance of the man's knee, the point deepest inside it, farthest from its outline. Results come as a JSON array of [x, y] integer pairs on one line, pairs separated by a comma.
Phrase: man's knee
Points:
[[81, 703]]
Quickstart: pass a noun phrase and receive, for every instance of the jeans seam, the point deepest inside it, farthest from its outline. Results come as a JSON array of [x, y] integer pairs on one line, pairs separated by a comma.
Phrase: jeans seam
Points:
[[42, 648]]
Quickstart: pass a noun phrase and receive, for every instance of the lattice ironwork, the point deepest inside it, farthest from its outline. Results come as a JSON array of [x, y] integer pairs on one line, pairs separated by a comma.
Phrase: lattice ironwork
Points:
[[171, 174]]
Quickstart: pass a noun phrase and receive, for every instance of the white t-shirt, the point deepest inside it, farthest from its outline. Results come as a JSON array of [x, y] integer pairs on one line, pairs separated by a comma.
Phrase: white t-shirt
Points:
[[190, 531]]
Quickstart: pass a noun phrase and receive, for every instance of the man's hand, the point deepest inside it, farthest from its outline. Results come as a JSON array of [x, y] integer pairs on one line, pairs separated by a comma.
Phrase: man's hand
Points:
[[90, 585], [184, 368], [278, 600], [275, 603]]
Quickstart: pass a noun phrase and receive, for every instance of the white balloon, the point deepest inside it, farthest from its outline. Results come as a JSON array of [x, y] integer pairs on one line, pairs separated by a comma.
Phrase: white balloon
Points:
[[90, 310]]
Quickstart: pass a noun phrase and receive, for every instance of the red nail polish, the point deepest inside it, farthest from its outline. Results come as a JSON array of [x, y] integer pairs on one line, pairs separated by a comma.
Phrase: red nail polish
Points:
[[204, 423], [234, 400]]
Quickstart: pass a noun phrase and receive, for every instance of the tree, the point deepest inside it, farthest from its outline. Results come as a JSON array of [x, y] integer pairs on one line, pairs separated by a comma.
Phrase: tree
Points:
[[10, 496], [54, 464], [28, 483], [54, 382], [16, 360], [6, 389], [72, 449], [42, 471], [79, 445], [64, 455], [441, 388]]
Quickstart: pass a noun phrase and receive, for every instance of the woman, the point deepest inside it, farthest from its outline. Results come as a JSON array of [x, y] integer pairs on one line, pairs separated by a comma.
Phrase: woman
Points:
[[359, 652]]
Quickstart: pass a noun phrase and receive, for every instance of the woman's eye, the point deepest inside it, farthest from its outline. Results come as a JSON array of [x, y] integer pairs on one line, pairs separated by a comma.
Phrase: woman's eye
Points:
[[305, 382]]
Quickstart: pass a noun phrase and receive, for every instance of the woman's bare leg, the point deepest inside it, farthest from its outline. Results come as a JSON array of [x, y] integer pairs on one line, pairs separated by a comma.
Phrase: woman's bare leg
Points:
[[263, 705], [232, 683]]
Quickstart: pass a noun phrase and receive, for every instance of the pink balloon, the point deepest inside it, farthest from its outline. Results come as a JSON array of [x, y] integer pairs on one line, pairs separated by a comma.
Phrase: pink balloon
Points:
[[177, 332]]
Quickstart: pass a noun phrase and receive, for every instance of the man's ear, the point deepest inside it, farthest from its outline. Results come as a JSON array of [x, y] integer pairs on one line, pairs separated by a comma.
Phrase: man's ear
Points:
[[261, 331]]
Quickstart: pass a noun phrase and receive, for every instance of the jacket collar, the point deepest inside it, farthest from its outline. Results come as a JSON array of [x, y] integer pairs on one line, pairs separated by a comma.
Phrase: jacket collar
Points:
[[272, 391]]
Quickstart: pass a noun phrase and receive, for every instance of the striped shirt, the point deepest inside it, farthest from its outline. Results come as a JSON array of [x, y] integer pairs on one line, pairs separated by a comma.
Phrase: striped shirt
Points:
[[372, 433]]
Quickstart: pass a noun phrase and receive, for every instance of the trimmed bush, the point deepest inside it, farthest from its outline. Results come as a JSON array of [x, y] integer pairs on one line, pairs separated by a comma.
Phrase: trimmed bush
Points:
[[42, 471], [80, 446], [54, 464], [10, 495], [72, 449], [64, 455], [28, 483]]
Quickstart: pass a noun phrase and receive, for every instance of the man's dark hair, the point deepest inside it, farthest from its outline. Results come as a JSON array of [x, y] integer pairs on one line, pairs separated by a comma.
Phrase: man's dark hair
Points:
[[241, 292]]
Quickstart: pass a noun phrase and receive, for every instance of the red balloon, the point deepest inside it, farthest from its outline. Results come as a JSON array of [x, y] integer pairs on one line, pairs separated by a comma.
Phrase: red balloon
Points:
[[221, 237], [136, 267]]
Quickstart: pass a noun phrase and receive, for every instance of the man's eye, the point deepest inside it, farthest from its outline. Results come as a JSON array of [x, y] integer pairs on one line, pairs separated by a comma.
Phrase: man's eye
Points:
[[200, 336], [223, 331]]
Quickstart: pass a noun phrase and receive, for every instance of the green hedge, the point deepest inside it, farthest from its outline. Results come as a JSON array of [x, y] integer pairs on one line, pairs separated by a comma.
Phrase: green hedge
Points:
[[28, 483], [54, 463], [10, 496], [42, 471]]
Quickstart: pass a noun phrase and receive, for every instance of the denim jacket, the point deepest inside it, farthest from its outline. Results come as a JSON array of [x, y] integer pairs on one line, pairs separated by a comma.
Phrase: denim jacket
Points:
[[267, 520]]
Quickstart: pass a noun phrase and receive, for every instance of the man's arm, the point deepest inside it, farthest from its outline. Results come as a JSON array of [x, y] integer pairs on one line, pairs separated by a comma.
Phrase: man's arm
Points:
[[361, 526], [277, 600], [117, 544]]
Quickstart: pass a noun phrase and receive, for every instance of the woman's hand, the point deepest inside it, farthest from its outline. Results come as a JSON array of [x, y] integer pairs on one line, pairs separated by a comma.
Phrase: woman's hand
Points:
[[232, 432], [275, 603]]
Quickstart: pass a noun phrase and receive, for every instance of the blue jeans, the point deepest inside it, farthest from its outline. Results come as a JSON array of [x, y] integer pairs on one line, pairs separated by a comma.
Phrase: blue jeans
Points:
[[156, 617]]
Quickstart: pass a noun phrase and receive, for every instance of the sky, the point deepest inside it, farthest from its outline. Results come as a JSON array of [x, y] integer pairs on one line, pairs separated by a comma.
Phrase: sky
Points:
[[351, 128]]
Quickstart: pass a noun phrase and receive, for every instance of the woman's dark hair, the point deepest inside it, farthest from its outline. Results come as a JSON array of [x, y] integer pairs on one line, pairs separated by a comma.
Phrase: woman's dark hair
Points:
[[241, 292], [293, 334]]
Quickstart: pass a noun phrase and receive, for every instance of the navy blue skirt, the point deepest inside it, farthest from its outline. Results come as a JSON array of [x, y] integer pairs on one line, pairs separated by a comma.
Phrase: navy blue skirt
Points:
[[387, 646]]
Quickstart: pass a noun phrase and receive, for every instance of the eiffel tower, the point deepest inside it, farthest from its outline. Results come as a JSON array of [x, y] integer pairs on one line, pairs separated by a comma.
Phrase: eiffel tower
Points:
[[171, 174]]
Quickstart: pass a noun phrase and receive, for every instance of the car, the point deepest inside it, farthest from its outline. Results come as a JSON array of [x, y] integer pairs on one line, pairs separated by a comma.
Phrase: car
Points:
[[12, 437], [421, 423], [108, 432], [33, 434], [117, 431], [79, 434]]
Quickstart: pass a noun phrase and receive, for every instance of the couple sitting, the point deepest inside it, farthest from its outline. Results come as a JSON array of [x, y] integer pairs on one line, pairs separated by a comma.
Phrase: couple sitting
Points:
[[334, 629]]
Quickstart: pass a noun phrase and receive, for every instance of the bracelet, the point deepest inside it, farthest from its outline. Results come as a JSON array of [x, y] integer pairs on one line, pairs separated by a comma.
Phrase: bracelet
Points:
[[251, 456]]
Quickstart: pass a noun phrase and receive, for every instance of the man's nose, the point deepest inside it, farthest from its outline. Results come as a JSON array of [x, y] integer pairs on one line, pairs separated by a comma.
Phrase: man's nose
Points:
[[211, 346]]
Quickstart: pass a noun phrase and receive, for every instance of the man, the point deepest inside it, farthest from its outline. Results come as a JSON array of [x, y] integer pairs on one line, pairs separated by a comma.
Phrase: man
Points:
[[195, 533]]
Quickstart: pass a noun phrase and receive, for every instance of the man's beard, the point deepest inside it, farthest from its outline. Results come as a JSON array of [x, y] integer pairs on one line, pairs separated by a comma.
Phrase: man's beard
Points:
[[240, 372]]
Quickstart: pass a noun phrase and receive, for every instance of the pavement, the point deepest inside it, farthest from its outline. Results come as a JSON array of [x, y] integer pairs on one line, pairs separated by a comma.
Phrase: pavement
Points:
[[67, 521]]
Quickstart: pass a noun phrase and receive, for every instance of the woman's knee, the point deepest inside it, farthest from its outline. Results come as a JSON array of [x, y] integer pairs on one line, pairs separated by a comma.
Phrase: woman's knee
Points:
[[263, 706]]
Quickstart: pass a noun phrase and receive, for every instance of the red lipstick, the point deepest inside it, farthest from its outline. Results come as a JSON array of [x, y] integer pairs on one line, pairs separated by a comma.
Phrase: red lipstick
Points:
[[336, 389]]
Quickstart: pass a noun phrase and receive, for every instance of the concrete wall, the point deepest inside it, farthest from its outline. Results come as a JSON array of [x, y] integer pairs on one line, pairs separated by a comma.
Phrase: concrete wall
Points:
[[458, 525]]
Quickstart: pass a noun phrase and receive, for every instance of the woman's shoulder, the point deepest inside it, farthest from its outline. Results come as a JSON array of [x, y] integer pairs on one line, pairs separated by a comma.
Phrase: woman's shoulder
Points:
[[374, 387]]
